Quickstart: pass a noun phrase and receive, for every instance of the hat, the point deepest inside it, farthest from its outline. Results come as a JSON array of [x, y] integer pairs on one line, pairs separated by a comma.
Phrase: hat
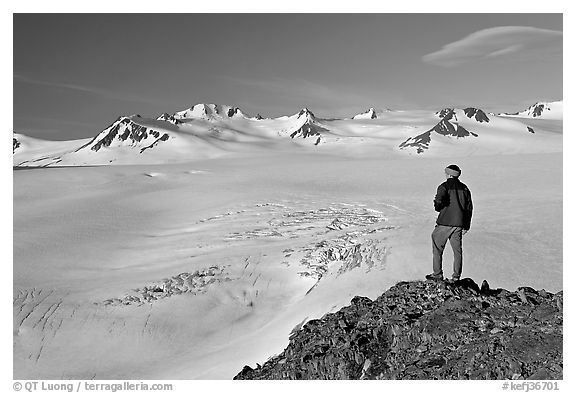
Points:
[[453, 170]]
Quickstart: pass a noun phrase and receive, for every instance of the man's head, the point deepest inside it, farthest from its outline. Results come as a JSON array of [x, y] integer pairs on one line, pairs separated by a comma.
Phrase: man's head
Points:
[[452, 171]]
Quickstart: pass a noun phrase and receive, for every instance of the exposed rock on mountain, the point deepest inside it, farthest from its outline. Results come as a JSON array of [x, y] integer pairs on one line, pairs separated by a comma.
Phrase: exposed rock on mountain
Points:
[[429, 330], [536, 110], [445, 127], [372, 113], [124, 131], [549, 110], [169, 118], [306, 113], [209, 112], [15, 144], [369, 114], [478, 114], [310, 128], [450, 114], [446, 113]]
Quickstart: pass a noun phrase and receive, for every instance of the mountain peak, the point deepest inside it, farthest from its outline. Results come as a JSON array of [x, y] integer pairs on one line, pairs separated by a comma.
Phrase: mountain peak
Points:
[[306, 113], [126, 132], [369, 114], [209, 112], [478, 114], [547, 110]]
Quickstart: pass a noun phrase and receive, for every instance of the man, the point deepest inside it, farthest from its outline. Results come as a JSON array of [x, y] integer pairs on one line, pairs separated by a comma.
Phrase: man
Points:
[[453, 201]]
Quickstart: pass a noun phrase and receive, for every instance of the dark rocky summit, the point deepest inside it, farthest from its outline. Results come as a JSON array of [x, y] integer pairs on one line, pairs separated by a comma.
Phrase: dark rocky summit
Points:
[[429, 330], [15, 144], [478, 115]]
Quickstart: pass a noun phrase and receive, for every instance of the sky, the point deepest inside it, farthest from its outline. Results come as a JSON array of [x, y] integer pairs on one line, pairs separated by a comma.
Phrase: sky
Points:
[[74, 74]]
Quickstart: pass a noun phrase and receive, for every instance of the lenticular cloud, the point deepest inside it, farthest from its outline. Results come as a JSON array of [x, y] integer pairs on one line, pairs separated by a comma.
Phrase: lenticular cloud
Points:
[[497, 42]]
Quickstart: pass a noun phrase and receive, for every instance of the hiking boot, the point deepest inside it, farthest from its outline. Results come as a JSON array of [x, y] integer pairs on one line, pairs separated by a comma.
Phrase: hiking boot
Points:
[[452, 280], [434, 277]]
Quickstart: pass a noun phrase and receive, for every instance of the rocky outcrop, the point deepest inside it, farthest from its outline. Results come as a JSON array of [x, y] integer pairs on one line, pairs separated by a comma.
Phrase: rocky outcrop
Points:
[[169, 118], [477, 114], [429, 330], [446, 113], [309, 130], [15, 144]]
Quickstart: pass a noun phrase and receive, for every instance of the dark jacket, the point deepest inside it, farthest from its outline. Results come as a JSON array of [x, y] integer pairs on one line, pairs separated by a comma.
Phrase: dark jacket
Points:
[[454, 202]]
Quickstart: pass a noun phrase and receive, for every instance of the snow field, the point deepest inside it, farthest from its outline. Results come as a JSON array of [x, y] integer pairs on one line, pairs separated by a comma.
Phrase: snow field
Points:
[[293, 235]]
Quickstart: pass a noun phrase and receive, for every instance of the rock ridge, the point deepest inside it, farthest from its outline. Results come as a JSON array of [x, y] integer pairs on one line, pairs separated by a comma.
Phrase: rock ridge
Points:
[[429, 330]]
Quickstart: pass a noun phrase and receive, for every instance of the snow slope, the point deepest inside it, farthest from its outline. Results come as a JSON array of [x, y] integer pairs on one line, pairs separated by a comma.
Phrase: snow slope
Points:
[[542, 110], [29, 151], [252, 247]]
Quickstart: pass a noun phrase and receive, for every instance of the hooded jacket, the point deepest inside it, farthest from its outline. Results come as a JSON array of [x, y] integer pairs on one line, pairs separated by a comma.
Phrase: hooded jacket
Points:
[[454, 203]]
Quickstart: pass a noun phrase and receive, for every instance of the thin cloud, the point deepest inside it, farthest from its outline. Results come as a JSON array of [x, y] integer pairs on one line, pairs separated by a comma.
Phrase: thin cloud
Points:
[[84, 89], [508, 42], [300, 90]]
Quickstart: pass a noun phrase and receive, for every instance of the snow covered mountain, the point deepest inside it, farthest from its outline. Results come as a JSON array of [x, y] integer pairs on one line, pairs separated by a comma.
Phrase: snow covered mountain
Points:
[[472, 131], [449, 125], [125, 132], [371, 114], [212, 112], [445, 127], [543, 110], [305, 125], [210, 130]]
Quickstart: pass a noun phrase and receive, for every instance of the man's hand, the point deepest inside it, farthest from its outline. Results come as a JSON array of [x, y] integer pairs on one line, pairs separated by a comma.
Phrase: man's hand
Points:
[[464, 231]]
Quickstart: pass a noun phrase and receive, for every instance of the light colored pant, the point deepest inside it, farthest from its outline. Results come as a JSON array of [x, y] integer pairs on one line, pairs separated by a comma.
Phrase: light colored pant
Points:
[[440, 236]]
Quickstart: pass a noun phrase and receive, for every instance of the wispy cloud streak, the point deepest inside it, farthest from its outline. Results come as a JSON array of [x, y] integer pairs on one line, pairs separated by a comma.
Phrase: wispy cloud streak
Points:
[[301, 90], [85, 89], [504, 42]]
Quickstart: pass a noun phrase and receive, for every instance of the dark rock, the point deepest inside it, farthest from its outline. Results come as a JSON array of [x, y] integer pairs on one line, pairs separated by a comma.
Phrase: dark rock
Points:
[[485, 288], [467, 283], [428, 330], [308, 129], [15, 144], [478, 115], [232, 111]]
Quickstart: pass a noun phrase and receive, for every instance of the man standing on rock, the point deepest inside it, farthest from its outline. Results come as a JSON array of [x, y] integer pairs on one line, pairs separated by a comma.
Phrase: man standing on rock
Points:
[[453, 201]]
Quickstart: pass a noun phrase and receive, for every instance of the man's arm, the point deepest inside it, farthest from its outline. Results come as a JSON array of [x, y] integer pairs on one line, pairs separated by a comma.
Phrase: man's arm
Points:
[[468, 210], [440, 198]]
